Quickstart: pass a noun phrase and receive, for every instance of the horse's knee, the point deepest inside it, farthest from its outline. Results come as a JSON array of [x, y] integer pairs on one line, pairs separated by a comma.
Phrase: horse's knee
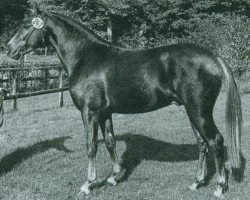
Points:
[[202, 145]]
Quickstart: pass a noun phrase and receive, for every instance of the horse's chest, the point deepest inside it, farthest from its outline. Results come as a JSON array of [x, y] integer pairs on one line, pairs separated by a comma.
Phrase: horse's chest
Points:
[[89, 92]]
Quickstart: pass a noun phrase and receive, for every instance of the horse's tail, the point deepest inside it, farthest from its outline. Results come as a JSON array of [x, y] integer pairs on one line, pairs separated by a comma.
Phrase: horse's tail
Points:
[[233, 117]]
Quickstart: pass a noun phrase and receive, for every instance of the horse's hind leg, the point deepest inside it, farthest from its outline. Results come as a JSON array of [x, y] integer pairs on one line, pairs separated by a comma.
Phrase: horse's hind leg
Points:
[[202, 162], [209, 132], [108, 134]]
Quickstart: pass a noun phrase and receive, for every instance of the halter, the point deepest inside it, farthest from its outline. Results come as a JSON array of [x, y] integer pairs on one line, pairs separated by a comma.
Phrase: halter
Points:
[[37, 23]]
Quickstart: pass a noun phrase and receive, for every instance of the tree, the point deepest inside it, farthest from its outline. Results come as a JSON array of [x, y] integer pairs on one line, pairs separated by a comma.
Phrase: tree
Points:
[[11, 13], [150, 23]]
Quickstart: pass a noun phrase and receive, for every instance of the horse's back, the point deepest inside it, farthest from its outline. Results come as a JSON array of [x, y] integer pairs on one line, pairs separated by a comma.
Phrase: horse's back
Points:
[[159, 76]]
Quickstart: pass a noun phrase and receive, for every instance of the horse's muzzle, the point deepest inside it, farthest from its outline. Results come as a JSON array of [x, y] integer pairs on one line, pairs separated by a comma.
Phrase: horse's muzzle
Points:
[[14, 55], [12, 52]]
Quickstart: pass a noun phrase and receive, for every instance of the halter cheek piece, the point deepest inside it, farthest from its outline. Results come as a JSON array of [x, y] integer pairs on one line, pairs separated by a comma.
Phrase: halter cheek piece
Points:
[[37, 23]]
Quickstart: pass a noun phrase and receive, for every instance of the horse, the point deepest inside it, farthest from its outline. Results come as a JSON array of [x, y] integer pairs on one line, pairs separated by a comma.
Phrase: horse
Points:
[[106, 79]]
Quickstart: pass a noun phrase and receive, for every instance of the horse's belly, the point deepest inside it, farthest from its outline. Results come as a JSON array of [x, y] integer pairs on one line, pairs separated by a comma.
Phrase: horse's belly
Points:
[[139, 101]]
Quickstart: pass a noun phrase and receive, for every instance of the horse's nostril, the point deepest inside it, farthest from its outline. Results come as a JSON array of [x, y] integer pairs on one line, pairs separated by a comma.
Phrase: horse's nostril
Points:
[[7, 51], [8, 48]]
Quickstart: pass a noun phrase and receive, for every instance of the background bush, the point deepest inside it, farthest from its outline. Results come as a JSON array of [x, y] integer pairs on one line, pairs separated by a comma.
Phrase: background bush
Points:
[[220, 25]]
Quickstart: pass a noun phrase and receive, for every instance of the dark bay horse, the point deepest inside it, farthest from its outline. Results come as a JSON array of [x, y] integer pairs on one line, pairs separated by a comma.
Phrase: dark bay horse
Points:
[[106, 79]]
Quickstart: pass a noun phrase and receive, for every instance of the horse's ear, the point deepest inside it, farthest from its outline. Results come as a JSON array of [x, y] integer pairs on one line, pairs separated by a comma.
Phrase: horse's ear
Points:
[[35, 9]]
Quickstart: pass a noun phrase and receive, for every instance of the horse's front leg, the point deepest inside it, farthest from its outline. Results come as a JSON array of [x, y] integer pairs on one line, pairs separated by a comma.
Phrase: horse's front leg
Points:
[[90, 121], [108, 134]]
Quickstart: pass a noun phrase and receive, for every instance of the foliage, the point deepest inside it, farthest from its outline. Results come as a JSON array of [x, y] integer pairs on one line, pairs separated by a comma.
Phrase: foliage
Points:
[[219, 25], [11, 13], [227, 36]]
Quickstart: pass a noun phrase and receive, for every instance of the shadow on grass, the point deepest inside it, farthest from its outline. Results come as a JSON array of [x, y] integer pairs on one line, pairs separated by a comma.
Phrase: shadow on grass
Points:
[[10, 161], [141, 148]]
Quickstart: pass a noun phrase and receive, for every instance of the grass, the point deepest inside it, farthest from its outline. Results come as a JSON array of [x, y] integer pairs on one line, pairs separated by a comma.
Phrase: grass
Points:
[[43, 154]]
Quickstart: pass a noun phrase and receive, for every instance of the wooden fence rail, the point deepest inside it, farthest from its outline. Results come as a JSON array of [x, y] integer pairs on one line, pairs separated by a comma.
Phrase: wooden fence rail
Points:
[[14, 71]]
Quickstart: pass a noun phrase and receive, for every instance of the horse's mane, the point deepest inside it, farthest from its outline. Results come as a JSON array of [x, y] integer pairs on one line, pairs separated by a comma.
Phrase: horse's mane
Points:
[[79, 26]]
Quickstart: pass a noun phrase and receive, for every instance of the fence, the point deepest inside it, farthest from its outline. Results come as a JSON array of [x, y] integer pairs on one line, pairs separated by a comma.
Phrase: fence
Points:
[[25, 79]]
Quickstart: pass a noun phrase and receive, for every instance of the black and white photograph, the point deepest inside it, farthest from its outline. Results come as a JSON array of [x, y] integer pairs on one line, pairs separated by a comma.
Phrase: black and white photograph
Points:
[[124, 99]]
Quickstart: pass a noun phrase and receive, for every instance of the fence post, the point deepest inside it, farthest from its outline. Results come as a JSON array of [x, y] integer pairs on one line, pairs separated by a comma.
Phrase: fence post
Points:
[[14, 85], [23, 58], [60, 86], [46, 51], [46, 79]]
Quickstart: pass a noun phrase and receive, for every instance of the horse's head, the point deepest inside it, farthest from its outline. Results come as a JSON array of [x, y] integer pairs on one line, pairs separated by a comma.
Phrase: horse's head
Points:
[[30, 36]]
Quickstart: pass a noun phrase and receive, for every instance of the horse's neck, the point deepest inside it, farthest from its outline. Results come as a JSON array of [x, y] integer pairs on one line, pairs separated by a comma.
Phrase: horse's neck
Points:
[[67, 44]]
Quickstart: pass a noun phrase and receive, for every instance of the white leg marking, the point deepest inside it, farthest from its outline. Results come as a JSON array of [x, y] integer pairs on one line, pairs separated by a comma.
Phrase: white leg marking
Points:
[[116, 168], [92, 169], [218, 193], [85, 188], [194, 186], [111, 180]]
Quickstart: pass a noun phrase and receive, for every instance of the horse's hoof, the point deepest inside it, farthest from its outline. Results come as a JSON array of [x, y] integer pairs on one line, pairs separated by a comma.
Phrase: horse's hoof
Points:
[[193, 187], [111, 181], [85, 189], [218, 194]]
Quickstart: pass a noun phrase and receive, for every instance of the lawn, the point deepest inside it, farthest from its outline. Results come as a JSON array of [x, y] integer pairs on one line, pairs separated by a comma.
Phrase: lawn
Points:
[[43, 154]]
